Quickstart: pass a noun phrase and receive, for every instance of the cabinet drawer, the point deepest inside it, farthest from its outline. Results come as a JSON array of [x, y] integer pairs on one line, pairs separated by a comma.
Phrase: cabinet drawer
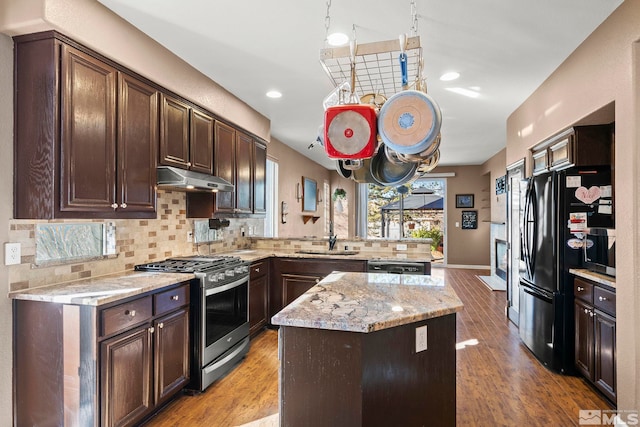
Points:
[[583, 290], [604, 300], [167, 301], [123, 316], [258, 269]]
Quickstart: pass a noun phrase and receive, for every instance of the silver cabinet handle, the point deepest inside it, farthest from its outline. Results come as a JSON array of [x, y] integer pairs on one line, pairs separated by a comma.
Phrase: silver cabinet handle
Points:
[[188, 163], [602, 299], [123, 206], [580, 289], [160, 325], [591, 313], [317, 280], [152, 330], [175, 297], [131, 313], [586, 311], [114, 206], [257, 270]]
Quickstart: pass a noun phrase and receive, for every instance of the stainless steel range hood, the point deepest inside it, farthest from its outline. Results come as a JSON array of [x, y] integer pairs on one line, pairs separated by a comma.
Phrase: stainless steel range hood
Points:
[[180, 179]]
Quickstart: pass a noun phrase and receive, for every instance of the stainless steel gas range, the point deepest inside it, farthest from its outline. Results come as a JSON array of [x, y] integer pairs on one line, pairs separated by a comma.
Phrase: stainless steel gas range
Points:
[[220, 315]]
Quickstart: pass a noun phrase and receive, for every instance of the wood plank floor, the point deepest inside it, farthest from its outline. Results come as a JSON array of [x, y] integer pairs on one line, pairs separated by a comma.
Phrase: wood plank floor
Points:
[[499, 382]]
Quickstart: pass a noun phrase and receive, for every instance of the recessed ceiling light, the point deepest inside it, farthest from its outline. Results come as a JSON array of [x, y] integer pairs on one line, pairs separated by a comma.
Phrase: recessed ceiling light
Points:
[[447, 77], [463, 91], [274, 94], [337, 39]]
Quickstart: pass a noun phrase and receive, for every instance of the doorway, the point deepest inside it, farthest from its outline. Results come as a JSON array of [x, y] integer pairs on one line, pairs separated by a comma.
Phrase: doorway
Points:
[[516, 187]]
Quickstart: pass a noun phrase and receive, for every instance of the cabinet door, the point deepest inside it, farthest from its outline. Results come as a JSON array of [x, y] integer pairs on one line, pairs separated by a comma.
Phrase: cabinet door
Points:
[[126, 368], [244, 173], [137, 145], [174, 132], [294, 285], [259, 179], [88, 144], [584, 338], [225, 160], [201, 146], [605, 354], [258, 303], [171, 354]]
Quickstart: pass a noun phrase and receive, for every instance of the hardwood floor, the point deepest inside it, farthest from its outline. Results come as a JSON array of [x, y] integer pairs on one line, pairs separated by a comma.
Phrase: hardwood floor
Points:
[[499, 382]]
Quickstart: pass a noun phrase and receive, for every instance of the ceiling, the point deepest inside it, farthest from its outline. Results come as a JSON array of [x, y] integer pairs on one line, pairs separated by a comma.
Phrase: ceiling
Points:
[[503, 49]]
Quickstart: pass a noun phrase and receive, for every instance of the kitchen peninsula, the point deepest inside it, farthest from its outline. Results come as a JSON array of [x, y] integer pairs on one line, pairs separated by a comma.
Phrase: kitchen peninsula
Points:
[[369, 349]]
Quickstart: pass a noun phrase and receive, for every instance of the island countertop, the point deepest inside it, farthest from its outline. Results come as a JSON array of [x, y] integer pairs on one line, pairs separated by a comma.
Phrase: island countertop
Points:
[[368, 302]]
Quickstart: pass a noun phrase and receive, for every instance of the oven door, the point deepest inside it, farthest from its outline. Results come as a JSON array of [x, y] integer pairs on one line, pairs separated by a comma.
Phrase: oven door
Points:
[[225, 318]]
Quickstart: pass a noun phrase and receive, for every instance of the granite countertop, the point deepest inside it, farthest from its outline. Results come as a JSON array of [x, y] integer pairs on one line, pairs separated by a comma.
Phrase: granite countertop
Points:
[[105, 289], [368, 302], [603, 279], [252, 255], [102, 290]]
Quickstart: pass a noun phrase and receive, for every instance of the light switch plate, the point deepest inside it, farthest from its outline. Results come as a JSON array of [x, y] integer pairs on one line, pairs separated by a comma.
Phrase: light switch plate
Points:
[[11, 253], [421, 338], [401, 247]]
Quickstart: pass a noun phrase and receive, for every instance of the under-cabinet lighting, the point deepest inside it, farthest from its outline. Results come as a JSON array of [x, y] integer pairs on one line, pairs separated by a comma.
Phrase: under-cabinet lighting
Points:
[[274, 94], [397, 308], [190, 187]]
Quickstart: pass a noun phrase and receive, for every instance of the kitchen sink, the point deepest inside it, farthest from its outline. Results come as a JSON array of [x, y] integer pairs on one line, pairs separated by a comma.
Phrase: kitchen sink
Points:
[[325, 252]]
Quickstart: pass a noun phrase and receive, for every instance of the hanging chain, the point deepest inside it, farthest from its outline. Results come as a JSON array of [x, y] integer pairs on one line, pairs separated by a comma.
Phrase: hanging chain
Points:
[[414, 18], [327, 21]]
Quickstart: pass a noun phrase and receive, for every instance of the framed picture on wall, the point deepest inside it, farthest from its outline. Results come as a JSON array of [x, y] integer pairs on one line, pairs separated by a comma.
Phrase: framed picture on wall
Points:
[[464, 200], [469, 220]]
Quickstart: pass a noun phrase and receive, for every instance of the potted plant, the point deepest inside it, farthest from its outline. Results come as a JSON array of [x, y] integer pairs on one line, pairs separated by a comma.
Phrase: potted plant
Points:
[[339, 194]]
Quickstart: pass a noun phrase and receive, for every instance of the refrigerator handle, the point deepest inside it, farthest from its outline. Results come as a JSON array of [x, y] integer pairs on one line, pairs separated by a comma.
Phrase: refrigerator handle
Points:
[[534, 237]]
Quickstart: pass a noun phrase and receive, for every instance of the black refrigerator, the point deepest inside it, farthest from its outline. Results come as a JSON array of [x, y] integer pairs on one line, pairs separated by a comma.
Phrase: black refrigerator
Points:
[[549, 249]]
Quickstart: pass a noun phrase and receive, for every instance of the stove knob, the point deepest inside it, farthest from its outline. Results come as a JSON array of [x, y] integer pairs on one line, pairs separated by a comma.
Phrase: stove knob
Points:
[[245, 268], [229, 273], [238, 270], [221, 276], [213, 278]]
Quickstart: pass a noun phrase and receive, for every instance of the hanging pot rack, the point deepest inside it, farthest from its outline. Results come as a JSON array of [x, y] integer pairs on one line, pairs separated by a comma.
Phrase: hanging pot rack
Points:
[[377, 68]]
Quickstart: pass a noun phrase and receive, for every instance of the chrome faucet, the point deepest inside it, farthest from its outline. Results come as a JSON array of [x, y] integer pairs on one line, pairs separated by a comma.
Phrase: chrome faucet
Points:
[[332, 238]]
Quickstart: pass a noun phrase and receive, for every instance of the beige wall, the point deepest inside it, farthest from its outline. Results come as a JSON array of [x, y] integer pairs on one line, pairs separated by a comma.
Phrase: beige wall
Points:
[[292, 166], [6, 206], [601, 71], [494, 168], [467, 247], [92, 24]]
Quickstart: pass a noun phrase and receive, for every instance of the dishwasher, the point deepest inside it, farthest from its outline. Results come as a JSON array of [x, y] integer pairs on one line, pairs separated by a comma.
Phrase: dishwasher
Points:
[[399, 267]]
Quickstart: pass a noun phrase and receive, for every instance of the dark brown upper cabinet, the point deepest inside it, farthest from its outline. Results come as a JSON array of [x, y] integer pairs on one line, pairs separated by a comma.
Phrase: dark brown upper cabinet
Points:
[[186, 136], [242, 160], [225, 164], [85, 135], [244, 173], [259, 178]]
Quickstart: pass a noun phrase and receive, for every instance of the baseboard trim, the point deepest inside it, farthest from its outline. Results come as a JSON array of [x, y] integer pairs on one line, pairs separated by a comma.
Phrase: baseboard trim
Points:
[[470, 267]]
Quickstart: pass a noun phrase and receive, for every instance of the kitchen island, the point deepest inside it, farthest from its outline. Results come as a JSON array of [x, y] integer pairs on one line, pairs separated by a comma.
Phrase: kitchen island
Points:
[[369, 349]]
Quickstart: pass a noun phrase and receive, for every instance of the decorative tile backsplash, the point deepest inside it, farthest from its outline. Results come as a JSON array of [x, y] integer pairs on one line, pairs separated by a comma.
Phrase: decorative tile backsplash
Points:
[[68, 242], [137, 241]]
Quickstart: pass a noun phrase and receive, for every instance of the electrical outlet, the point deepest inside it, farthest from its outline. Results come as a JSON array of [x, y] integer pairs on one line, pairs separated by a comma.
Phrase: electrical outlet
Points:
[[421, 338], [11, 253], [401, 247], [190, 236]]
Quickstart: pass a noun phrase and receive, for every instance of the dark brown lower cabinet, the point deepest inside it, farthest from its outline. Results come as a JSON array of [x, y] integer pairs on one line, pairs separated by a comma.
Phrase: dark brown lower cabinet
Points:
[[595, 336], [292, 277], [258, 296], [340, 378], [110, 365], [126, 377]]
